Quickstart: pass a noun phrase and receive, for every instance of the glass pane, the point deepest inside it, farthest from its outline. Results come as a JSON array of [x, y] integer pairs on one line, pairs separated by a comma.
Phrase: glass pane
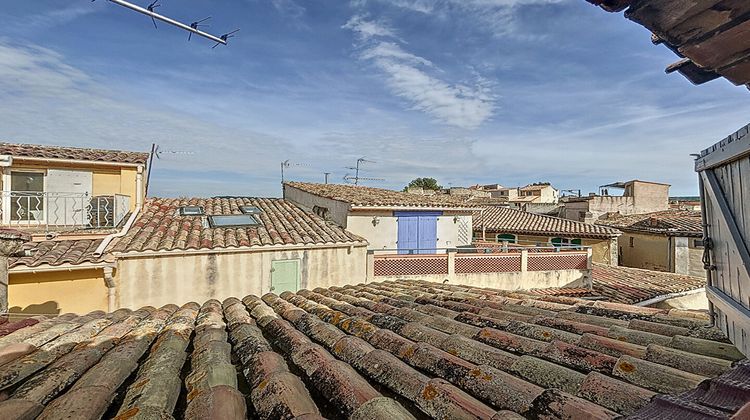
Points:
[[27, 181], [26, 200], [232, 220]]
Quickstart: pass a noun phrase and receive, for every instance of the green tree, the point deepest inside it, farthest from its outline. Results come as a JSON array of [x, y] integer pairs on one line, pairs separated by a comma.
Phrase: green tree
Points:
[[424, 183]]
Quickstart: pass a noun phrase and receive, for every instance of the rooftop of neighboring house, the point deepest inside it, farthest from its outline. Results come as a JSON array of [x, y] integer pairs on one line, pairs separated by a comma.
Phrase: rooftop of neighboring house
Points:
[[369, 197], [507, 220], [668, 222], [633, 286], [37, 255], [537, 187], [178, 224], [42, 152], [381, 350], [708, 36]]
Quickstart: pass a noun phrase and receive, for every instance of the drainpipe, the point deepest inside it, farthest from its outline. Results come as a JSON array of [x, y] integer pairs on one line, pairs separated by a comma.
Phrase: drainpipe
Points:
[[109, 281], [11, 241], [138, 205], [484, 230]]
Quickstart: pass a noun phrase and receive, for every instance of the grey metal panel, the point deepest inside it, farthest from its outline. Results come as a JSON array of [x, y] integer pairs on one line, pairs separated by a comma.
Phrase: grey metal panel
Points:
[[731, 148], [725, 179]]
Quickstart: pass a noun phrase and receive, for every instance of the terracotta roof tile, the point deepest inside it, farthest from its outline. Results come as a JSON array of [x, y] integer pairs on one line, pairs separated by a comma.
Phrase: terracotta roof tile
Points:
[[73, 153], [348, 352], [668, 222], [360, 196], [634, 285], [56, 253], [160, 227], [507, 220]]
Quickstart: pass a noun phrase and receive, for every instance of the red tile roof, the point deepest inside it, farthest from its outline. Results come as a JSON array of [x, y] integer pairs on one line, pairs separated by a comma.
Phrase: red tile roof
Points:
[[56, 253], [73, 153], [381, 350], [159, 227], [507, 220], [634, 285], [668, 222], [360, 196]]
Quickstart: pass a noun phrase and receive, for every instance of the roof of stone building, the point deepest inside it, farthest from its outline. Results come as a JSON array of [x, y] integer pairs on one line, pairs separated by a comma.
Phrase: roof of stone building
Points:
[[160, 227], [73, 153], [381, 350], [630, 285], [500, 219], [56, 253], [668, 222], [360, 196]]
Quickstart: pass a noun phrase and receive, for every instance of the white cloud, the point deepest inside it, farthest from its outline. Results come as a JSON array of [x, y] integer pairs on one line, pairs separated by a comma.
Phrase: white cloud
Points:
[[47, 101], [497, 17], [289, 7], [412, 78]]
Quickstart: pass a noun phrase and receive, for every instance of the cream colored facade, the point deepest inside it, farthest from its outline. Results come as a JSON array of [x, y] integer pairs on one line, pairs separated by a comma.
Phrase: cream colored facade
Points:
[[639, 197], [160, 278], [661, 253], [379, 226]]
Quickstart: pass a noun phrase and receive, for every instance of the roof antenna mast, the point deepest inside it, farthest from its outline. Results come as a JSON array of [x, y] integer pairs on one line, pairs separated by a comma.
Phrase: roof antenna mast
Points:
[[193, 28]]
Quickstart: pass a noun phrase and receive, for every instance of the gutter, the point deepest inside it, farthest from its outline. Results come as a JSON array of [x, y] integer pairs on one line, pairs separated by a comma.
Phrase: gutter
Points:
[[138, 205], [43, 268], [237, 250], [662, 298], [76, 161]]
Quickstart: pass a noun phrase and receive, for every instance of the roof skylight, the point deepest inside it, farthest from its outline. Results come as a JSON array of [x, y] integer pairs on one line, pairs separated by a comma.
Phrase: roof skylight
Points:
[[250, 210], [191, 211], [233, 220]]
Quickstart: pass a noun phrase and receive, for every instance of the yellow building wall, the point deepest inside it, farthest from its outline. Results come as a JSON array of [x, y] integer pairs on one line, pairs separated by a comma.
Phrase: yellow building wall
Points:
[[106, 182], [57, 292], [128, 185], [601, 248], [648, 251]]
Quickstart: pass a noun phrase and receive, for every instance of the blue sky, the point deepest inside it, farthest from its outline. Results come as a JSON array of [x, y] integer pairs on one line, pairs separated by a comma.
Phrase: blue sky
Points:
[[466, 91]]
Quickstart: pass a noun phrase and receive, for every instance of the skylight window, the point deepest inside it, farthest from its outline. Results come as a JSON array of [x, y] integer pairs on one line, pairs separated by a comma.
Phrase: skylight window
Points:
[[233, 220], [191, 211], [250, 210]]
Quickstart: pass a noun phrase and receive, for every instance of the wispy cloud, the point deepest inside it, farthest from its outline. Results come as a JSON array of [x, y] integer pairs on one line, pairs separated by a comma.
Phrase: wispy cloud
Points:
[[289, 8], [497, 17], [413, 78]]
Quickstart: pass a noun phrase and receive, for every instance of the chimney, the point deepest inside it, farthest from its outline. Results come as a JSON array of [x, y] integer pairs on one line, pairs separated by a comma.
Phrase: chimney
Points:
[[11, 242]]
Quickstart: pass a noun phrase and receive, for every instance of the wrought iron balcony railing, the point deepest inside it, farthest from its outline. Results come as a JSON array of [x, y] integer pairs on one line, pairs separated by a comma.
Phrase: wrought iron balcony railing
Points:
[[55, 211]]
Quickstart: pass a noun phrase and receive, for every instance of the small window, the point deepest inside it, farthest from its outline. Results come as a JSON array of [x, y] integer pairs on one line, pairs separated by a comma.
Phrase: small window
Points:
[[250, 210], [233, 220], [506, 237], [565, 242], [191, 211], [698, 243], [632, 241]]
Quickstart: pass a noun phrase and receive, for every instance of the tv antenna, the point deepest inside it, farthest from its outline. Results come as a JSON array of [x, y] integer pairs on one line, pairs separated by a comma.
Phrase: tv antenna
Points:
[[288, 164], [193, 28], [197, 25], [226, 37], [356, 177]]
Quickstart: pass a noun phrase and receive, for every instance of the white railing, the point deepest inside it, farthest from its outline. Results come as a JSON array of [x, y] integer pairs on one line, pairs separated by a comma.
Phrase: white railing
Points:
[[53, 210]]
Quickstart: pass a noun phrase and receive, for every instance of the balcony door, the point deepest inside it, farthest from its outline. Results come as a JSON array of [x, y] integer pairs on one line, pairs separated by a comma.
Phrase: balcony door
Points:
[[26, 198]]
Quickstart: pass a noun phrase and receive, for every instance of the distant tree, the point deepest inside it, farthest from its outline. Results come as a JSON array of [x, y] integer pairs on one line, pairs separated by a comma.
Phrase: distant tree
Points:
[[425, 184]]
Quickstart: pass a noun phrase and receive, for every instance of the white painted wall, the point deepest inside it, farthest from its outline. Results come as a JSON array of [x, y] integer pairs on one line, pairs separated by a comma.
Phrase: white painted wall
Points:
[[384, 234], [508, 281]]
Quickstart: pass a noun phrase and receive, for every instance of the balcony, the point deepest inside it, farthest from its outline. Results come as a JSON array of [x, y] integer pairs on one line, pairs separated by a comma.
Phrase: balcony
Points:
[[501, 268], [48, 211]]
